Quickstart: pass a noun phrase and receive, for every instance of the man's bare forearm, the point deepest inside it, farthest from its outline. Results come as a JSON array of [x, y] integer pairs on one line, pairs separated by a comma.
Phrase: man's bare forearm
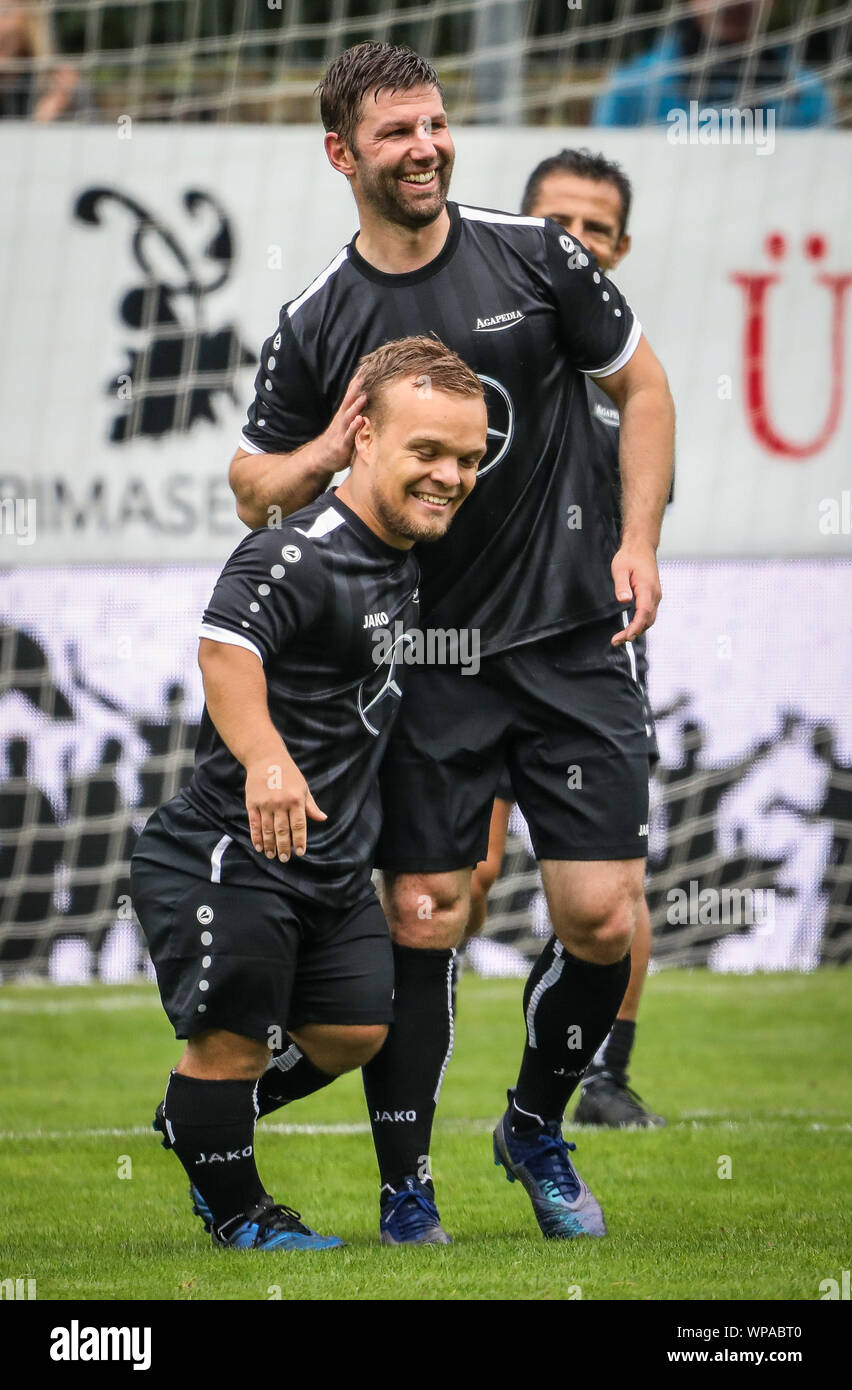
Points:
[[646, 451], [646, 456], [278, 799], [237, 702], [271, 486], [286, 482]]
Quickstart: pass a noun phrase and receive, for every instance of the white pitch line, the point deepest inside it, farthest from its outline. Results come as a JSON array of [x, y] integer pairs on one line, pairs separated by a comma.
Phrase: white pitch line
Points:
[[447, 1126], [745, 1123], [13, 1135], [21, 1135], [10, 1135], [774, 1118], [121, 1003]]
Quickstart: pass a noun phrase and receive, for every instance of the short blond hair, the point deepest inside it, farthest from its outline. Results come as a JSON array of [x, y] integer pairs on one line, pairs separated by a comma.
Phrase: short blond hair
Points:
[[425, 360]]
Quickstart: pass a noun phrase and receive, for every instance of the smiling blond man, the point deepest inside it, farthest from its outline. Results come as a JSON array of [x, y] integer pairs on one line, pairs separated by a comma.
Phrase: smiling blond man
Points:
[[253, 885]]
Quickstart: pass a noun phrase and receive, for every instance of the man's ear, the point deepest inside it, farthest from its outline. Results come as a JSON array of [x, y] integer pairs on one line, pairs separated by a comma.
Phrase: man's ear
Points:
[[339, 155], [620, 251], [364, 441]]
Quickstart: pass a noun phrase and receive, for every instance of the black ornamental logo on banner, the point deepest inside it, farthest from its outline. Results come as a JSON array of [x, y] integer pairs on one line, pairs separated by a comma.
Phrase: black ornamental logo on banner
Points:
[[178, 365]]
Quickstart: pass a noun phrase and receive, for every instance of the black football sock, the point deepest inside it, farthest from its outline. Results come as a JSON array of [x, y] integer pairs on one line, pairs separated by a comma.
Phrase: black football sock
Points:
[[613, 1054], [211, 1128], [403, 1080], [569, 1006], [289, 1076], [454, 981], [618, 1047]]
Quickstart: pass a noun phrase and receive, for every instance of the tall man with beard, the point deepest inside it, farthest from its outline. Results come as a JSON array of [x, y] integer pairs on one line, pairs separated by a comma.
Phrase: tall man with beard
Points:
[[530, 565]]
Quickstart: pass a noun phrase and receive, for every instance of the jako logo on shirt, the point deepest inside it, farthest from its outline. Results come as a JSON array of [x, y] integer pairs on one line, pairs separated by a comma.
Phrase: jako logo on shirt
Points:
[[577, 259], [76, 1343], [375, 620]]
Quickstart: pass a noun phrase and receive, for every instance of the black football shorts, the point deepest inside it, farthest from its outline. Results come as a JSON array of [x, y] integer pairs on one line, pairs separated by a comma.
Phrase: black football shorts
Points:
[[505, 791], [233, 949], [564, 716]]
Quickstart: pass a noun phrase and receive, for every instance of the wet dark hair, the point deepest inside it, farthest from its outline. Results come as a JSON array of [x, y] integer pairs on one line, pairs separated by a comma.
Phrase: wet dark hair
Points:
[[366, 68]]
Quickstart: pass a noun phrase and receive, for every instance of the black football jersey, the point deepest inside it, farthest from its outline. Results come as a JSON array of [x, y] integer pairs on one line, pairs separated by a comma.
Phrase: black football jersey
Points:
[[310, 600], [524, 304]]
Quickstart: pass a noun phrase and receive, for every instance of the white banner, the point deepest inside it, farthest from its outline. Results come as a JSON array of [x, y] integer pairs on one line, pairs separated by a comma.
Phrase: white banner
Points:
[[141, 254], [101, 697]]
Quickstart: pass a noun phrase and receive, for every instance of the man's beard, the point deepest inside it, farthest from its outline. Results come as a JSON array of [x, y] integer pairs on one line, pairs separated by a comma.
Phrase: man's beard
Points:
[[381, 189], [399, 523]]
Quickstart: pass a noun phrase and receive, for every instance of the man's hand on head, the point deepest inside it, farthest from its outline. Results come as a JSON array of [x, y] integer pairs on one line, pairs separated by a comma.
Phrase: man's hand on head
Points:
[[339, 439]]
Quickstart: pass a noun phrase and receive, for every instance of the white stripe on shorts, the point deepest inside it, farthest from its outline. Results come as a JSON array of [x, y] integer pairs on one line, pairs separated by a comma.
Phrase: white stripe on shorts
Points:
[[216, 859], [630, 652]]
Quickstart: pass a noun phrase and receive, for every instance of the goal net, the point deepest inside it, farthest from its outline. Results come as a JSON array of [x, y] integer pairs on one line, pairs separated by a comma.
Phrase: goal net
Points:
[[501, 61]]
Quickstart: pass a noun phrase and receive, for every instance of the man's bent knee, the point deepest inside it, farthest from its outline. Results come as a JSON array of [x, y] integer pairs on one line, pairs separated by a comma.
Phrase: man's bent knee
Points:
[[602, 937], [217, 1055], [337, 1048], [611, 938], [594, 908], [427, 911]]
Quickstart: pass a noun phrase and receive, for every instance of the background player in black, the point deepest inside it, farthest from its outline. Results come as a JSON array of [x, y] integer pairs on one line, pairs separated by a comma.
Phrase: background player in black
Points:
[[255, 926], [590, 197], [532, 569]]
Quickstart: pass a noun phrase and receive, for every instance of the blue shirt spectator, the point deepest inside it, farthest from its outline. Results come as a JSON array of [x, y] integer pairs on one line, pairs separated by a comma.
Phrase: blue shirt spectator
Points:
[[644, 90]]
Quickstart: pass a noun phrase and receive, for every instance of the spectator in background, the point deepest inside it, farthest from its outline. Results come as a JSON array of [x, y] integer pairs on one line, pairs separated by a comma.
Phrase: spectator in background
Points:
[[707, 56], [31, 84]]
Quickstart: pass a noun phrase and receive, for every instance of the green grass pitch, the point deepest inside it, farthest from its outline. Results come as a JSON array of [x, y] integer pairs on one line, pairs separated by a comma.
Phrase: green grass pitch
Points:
[[750, 1070]]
